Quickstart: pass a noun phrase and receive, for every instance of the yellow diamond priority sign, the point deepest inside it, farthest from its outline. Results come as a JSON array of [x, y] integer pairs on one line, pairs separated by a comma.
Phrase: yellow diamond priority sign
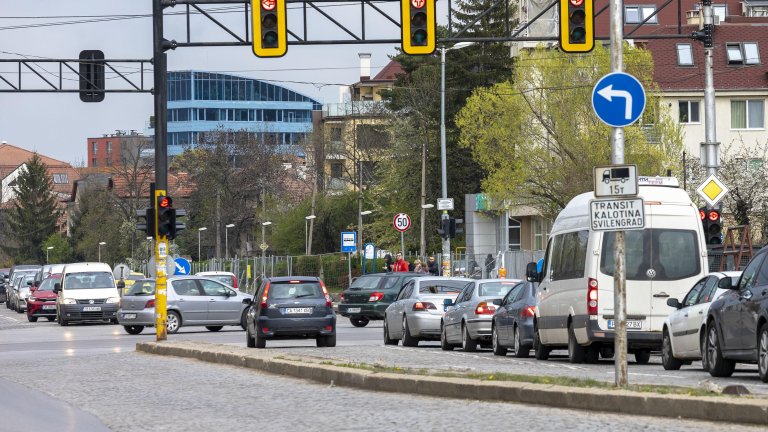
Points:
[[712, 190]]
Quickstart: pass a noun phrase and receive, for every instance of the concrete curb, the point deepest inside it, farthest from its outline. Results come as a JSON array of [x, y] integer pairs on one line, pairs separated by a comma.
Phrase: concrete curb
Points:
[[723, 409]]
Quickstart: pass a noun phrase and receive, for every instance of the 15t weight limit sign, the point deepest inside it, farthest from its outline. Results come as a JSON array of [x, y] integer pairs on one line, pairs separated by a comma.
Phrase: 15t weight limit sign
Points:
[[401, 222]]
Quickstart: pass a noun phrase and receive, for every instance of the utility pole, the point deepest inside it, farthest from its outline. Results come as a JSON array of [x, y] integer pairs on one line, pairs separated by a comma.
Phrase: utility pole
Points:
[[422, 241], [711, 148], [218, 226], [446, 259]]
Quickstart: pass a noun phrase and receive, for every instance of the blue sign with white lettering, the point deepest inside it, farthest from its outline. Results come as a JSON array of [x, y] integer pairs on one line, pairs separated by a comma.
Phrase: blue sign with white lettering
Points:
[[349, 242], [618, 99], [183, 267]]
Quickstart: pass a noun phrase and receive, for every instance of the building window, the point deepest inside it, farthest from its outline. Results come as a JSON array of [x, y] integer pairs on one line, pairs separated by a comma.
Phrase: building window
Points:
[[513, 239], [755, 11], [719, 11], [743, 53], [60, 179], [336, 170], [94, 147], [638, 14], [109, 147], [689, 111], [93, 162], [540, 233], [335, 134], [684, 54], [747, 114]]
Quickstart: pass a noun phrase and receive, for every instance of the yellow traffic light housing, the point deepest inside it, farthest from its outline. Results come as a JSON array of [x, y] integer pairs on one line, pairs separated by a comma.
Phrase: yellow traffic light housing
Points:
[[418, 26], [270, 28], [577, 26]]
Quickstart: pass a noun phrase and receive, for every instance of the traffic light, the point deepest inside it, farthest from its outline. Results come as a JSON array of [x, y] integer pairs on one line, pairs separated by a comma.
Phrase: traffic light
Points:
[[418, 26], [149, 225], [576, 26], [270, 28], [91, 76], [445, 228], [714, 228], [166, 217], [705, 35]]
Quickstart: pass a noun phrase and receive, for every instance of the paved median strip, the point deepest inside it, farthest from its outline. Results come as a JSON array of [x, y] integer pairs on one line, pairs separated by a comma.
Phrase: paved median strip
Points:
[[486, 387]]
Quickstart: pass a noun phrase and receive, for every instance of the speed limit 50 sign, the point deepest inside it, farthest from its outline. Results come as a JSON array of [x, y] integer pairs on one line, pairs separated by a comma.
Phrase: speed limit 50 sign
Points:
[[401, 222]]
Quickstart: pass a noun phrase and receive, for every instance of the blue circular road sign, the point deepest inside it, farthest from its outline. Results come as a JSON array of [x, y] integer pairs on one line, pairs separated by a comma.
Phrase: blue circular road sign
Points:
[[618, 99], [183, 267]]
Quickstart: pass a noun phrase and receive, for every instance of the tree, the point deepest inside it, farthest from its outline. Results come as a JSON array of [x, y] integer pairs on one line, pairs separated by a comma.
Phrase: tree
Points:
[[98, 220], [61, 252], [34, 213], [539, 139]]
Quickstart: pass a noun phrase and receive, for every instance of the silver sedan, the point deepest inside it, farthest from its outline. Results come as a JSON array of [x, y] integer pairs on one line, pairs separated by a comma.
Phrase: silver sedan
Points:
[[468, 320], [191, 301], [418, 310]]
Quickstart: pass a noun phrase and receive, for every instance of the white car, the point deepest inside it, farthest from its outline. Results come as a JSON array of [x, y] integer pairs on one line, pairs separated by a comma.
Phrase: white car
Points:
[[221, 276], [685, 329]]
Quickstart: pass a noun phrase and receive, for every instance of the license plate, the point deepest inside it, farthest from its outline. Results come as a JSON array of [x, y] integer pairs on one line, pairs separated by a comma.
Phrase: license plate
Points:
[[631, 324], [353, 310], [298, 310], [91, 308], [129, 316], [48, 307]]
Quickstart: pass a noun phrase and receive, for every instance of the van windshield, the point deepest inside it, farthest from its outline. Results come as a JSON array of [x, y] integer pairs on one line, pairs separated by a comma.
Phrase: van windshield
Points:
[[671, 254], [88, 280]]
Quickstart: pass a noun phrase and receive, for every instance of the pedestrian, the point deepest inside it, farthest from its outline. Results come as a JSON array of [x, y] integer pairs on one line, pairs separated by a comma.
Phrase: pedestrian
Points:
[[432, 266], [400, 265], [418, 267], [388, 263], [490, 263]]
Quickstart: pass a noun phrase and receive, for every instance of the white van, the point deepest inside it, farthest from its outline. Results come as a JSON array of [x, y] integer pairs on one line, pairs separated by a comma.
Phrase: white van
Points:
[[575, 294], [87, 292]]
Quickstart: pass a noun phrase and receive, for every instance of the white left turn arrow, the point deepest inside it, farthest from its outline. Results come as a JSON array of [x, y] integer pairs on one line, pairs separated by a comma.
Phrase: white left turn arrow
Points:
[[609, 93]]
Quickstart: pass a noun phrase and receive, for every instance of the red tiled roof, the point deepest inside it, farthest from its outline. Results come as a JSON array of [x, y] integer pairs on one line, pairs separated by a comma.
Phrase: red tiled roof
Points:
[[390, 72], [11, 157]]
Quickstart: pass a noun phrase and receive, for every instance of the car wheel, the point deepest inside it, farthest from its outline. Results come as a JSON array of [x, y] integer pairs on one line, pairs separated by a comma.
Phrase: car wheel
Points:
[[320, 341], [31, 318], [61, 320], [642, 356], [592, 354], [250, 342], [668, 359], [173, 322], [214, 328], [133, 329], [408, 340], [575, 351], [540, 351], [387, 339], [718, 365], [467, 343], [19, 309], [498, 349], [260, 342], [330, 340], [703, 349], [50, 319], [114, 321], [359, 321], [762, 353], [244, 319], [444, 345], [520, 350]]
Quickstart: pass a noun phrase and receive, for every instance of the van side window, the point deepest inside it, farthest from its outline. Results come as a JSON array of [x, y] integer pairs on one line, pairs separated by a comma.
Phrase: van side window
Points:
[[570, 255]]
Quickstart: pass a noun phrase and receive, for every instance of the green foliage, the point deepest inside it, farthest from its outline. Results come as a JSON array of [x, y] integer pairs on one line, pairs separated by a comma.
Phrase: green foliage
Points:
[[34, 213], [96, 222], [538, 137], [61, 252]]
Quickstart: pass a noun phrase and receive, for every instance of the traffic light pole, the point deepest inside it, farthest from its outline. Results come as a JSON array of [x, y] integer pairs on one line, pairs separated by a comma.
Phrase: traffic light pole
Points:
[[446, 261], [711, 156], [160, 60]]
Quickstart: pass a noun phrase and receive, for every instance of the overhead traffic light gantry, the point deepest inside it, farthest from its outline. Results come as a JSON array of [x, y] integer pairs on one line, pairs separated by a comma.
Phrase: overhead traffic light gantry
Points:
[[270, 28], [577, 33], [418, 26]]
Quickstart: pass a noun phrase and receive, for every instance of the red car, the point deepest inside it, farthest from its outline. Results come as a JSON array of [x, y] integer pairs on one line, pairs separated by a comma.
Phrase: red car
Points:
[[42, 300]]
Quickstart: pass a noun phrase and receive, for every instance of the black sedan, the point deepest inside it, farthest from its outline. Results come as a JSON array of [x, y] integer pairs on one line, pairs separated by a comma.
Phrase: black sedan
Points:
[[290, 308], [512, 325], [737, 322]]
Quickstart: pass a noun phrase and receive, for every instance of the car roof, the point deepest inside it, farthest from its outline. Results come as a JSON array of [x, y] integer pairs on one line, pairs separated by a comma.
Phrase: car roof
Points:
[[87, 267], [731, 274], [513, 281], [293, 278], [214, 273]]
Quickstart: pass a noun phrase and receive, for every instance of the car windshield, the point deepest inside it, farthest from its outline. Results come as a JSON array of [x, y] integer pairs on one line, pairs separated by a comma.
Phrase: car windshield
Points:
[[89, 280], [142, 288], [434, 287], [288, 290], [135, 277], [655, 254], [367, 282], [225, 279], [495, 289], [47, 284]]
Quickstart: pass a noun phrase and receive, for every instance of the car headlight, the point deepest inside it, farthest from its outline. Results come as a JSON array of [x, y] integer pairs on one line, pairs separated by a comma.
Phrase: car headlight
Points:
[[113, 300], [69, 301], [33, 299]]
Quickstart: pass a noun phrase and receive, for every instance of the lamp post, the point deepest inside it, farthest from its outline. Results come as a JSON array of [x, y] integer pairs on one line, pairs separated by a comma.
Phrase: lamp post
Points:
[[46, 253], [264, 245], [443, 164], [363, 213], [306, 233], [423, 241], [226, 240], [199, 230], [100, 245]]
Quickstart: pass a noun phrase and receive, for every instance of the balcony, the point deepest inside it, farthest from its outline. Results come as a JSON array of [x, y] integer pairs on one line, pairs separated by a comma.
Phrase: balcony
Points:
[[355, 108]]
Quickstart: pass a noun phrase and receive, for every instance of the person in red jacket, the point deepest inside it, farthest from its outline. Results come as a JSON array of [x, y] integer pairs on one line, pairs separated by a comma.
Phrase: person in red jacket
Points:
[[400, 265]]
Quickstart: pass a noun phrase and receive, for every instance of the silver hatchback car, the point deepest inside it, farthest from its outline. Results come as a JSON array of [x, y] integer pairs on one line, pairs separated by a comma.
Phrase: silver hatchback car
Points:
[[192, 301]]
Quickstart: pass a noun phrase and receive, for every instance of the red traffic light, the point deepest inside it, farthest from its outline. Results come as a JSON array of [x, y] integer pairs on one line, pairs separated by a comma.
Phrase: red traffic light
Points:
[[702, 214], [164, 202], [713, 215]]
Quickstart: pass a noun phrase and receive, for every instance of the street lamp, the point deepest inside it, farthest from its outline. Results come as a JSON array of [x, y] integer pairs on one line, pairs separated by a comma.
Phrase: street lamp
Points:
[[100, 245], [443, 163], [264, 245], [423, 241], [306, 233], [226, 240], [363, 213], [46, 253], [199, 230]]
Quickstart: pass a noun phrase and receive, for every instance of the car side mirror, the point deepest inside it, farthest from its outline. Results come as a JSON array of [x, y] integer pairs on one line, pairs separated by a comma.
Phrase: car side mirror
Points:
[[497, 302], [447, 303], [247, 302], [30, 283], [532, 272], [673, 302], [725, 283], [56, 287], [33, 288], [121, 284], [229, 293]]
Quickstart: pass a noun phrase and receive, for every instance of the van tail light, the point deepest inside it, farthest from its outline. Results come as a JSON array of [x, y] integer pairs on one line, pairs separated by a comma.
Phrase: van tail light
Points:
[[149, 304], [327, 296], [484, 308], [376, 296], [234, 282], [264, 297], [592, 297], [528, 312], [423, 306]]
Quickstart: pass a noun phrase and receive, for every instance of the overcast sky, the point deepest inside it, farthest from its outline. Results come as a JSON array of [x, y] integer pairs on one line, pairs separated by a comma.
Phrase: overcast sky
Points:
[[58, 125]]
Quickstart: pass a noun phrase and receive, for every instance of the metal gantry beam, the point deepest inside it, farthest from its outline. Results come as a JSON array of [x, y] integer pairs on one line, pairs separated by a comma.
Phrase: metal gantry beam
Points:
[[36, 76]]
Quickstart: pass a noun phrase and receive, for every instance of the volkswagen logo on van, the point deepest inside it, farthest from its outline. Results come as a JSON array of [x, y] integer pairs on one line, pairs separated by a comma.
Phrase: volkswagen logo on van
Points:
[[651, 273], [91, 301]]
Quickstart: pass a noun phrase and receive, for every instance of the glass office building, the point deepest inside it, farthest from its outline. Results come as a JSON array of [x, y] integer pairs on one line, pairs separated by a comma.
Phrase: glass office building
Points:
[[200, 102]]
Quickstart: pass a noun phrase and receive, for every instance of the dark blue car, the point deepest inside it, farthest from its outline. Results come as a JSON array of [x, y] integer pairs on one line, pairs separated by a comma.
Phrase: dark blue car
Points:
[[290, 308], [512, 325]]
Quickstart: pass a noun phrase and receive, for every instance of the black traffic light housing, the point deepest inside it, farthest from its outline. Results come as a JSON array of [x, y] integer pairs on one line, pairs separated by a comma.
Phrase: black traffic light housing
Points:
[[705, 35], [91, 76], [270, 28], [166, 217], [149, 225], [418, 26], [576, 26], [450, 227], [714, 227]]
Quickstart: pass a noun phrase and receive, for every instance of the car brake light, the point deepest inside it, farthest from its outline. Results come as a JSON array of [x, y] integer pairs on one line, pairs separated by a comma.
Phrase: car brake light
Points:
[[327, 296], [423, 306], [376, 296], [234, 282], [484, 308], [529, 311], [264, 296], [592, 297], [150, 304]]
